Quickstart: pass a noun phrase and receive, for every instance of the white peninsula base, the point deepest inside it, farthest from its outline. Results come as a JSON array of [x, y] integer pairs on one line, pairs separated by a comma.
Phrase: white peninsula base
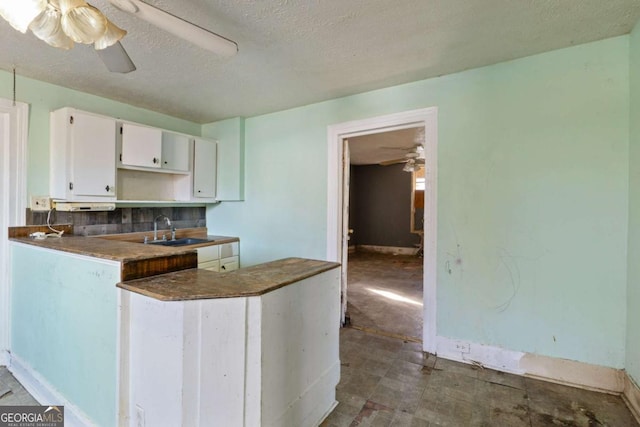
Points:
[[267, 360]]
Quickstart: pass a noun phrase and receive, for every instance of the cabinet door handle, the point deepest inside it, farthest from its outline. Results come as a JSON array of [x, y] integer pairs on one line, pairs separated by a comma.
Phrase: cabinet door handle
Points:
[[107, 188], [223, 267], [155, 160]]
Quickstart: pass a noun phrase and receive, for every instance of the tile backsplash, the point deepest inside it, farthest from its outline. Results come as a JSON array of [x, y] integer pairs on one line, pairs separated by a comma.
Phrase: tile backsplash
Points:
[[122, 220]]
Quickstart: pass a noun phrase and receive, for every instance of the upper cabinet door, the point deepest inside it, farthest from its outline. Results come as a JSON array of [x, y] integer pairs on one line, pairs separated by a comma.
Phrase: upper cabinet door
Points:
[[204, 169], [175, 151], [93, 154], [141, 146], [229, 135], [83, 156]]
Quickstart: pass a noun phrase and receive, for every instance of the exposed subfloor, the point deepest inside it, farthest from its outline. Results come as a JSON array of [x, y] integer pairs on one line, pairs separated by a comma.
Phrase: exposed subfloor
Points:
[[11, 391], [388, 382], [384, 293]]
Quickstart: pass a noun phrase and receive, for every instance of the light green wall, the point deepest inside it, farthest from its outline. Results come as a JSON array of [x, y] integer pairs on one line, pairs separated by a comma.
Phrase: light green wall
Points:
[[533, 192], [532, 196], [633, 291], [230, 136], [64, 326], [45, 97]]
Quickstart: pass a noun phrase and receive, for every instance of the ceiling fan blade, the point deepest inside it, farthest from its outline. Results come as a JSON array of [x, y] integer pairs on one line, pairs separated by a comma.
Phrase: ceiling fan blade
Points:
[[116, 59], [178, 27], [392, 162]]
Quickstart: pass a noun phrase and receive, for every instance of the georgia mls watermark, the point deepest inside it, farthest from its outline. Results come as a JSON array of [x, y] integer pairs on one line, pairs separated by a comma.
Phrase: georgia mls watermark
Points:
[[31, 416]]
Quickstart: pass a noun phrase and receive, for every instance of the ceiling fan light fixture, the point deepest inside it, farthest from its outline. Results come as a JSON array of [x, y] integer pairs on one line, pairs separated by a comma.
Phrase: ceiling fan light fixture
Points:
[[83, 24], [409, 166], [66, 6], [19, 14], [47, 28], [112, 36]]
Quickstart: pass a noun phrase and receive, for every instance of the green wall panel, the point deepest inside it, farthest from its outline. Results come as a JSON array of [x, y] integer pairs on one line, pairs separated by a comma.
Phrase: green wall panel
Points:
[[64, 326], [633, 291], [532, 196]]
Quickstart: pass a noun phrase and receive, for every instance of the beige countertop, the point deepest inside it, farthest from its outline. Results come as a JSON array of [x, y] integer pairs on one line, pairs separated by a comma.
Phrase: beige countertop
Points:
[[137, 259], [168, 273], [113, 250], [195, 283], [119, 247]]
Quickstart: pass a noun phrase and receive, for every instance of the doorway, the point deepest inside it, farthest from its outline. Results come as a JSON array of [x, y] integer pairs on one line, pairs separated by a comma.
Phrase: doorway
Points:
[[13, 166], [337, 228], [384, 274]]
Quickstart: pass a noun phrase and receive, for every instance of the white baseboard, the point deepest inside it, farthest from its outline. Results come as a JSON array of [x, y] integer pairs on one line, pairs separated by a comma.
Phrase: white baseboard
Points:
[[5, 359], [552, 369], [45, 393], [577, 374], [496, 358], [631, 396], [395, 250]]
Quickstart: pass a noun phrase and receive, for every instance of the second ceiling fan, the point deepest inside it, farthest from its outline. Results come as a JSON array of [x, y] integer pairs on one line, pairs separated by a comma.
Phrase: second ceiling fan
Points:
[[413, 155]]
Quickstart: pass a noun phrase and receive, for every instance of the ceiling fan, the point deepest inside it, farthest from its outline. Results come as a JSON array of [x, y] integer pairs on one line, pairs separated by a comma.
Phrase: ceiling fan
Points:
[[60, 23], [413, 158]]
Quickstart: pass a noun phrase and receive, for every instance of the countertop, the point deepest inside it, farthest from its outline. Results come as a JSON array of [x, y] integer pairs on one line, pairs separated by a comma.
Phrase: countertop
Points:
[[137, 259], [168, 273], [117, 247], [196, 283]]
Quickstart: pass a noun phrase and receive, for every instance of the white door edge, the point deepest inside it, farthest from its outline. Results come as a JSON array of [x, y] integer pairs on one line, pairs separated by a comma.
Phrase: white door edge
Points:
[[427, 118], [13, 198]]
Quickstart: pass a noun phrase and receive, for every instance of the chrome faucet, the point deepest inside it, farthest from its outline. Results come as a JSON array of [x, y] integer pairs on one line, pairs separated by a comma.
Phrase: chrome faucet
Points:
[[155, 227]]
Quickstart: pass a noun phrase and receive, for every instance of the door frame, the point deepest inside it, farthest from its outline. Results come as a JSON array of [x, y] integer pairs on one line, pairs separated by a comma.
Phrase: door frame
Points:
[[13, 198], [427, 118]]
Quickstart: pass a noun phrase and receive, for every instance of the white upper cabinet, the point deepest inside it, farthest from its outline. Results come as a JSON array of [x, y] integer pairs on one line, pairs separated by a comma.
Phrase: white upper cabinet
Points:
[[83, 156], [175, 151], [230, 136], [204, 169], [102, 159], [141, 146]]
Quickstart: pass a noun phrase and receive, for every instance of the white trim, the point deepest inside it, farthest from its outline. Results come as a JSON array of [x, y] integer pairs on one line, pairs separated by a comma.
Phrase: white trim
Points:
[[46, 394], [570, 372], [496, 358], [122, 350], [13, 198], [427, 118], [5, 215], [552, 369], [631, 396], [5, 358], [19, 117]]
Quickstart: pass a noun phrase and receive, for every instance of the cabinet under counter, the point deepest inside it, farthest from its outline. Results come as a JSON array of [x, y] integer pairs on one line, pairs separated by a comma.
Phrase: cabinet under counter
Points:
[[253, 347]]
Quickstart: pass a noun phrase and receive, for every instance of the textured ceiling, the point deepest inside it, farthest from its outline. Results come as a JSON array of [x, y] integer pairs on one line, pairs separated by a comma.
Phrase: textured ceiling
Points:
[[296, 52], [384, 146]]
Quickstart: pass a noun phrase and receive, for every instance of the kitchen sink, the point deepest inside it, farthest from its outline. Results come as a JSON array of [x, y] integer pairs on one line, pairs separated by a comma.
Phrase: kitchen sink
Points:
[[178, 242]]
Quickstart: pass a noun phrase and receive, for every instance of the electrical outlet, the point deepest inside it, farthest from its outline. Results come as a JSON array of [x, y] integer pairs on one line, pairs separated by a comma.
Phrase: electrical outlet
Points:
[[139, 416], [463, 347], [40, 203]]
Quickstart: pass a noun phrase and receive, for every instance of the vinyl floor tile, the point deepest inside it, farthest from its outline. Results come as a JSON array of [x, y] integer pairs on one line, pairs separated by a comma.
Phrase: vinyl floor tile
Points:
[[440, 392]]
